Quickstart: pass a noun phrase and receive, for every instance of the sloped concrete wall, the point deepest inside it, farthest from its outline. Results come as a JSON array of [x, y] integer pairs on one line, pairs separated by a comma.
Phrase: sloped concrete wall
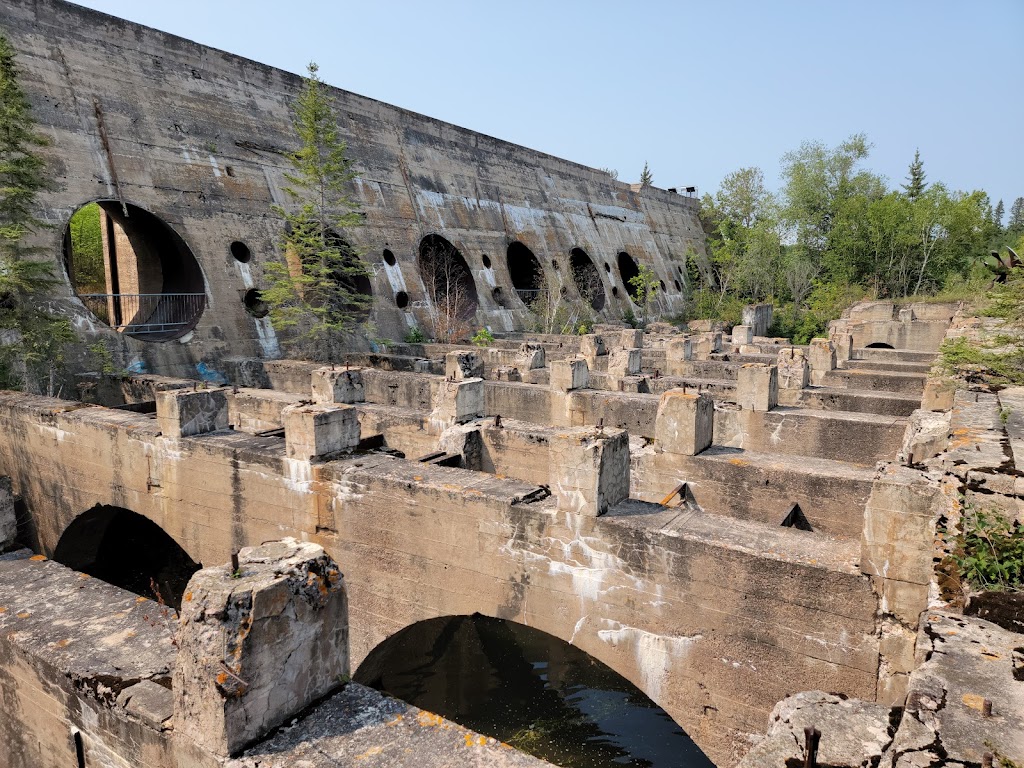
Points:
[[198, 137]]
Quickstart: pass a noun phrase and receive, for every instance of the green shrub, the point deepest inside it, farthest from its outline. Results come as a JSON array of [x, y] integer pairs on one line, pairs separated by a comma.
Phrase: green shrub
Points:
[[990, 552], [415, 336], [483, 338]]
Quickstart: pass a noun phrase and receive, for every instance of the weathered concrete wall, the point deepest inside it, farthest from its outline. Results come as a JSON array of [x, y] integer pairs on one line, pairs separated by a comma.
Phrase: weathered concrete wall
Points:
[[197, 137], [687, 608]]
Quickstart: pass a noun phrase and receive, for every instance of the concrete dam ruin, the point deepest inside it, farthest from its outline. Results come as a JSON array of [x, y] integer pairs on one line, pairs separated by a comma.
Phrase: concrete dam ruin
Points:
[[205, 553]]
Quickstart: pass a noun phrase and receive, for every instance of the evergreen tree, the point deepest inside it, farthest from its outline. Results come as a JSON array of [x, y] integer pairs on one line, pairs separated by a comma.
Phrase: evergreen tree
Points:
[[1016, 214], [646, 177], [313, 296], [915, 185], [997, 215], [32, 339]]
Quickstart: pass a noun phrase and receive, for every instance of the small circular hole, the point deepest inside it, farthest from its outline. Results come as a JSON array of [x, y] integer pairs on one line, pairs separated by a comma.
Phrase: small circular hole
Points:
[[229, 170], [607, 267], [389, 258], [254, 303], [678, 286], [615, 290], [241, 251], [487, 261], [563, 291], [402, 299]]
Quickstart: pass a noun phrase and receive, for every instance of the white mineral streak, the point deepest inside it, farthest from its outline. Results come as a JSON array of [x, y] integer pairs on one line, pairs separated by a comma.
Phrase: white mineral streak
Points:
[[654, 654]]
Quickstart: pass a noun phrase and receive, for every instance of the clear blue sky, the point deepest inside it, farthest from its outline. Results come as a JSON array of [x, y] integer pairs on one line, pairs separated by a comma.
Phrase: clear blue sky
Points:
[[696, 89]]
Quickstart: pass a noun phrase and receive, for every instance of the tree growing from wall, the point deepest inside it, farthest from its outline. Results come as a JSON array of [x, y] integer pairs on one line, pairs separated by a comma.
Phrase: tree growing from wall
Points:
[[646, 177], [32, 338], [313, 296], [645, 287]]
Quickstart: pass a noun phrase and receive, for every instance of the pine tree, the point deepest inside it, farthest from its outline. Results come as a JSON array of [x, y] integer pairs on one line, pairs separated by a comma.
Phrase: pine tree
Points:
[[997, 215], [1016, 214], [32, 339], [313, 296], [646, 177], [915, 185]]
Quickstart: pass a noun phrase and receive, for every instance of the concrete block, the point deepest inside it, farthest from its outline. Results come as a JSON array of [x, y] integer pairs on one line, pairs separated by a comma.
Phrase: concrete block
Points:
[[624, 362], [706, 344], [757, 387], [318, 430], [678, 352], [335, 385], [592, 345], [685, 423], [8, 520], [590, 470], [632, 338], [530, 356], [184, 413], [742, 334], [843, 342], [822, 356], [257, 646], [569, 374], [938, 393], [459, 401], [506, 373], [758, 317], [463, 365], [794, 371]]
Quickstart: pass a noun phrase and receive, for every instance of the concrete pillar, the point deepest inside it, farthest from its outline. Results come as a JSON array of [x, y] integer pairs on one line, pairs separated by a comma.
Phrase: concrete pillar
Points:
[[8, 520], [334, 385], [183, 412], [311, 431], [757, 387], [590, 470], [705, 344], [843, 343], [463, 365], [823, 359], [632, 338], [569, 374], [678, 352], [459, 401], [257, 646], [592, 346], [742, 335], [794, 372], [624, 362], [530, 356], [685, 423]]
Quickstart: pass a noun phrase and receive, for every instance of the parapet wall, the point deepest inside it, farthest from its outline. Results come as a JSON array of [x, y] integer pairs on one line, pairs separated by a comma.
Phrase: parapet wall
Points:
[[198, 137]]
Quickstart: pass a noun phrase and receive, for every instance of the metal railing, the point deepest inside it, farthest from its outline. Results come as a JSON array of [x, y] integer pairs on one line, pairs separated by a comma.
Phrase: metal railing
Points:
[[527, 295], [146, 314]]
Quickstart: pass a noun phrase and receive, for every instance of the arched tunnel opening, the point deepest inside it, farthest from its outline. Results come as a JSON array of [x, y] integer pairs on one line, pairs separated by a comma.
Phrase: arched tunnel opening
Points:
[[879, 345], [530, 690], [129, 551]]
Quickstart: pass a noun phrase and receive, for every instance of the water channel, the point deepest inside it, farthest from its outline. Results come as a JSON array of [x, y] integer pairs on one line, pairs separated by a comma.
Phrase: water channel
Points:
[[530, 690]]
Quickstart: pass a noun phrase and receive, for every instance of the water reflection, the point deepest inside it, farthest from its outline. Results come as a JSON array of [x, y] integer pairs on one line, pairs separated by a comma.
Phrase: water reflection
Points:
[[530, 690]]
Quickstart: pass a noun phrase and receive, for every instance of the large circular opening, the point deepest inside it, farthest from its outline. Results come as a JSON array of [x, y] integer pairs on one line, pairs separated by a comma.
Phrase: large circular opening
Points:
[[254, 303], [526, 272], [241, 252], [129, 551], [449, 288], [132, 271], [587, 278], [628, 269]]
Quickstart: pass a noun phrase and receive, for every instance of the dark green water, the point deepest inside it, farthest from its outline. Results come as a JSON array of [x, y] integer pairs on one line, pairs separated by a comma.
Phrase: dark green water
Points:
[[529, 690]]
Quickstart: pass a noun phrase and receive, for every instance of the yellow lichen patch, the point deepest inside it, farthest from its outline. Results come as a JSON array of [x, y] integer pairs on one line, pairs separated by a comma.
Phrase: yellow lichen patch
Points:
[[38, 558], [3, 609], [396, 721], [974, 701], [739, 462], [429, 719], [24, 614], [222, 678], [469, 739], [188, 597], [63, 643], [140, 599], [370, 752], [951, 632], [84, 576]]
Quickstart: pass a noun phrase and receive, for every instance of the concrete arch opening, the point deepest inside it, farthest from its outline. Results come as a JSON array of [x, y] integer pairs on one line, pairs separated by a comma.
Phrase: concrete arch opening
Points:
[[879, 345], [127, 550], [587, 278], [505, 679], [525, 271], [133, 271], [628, 269], [449, 287]]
